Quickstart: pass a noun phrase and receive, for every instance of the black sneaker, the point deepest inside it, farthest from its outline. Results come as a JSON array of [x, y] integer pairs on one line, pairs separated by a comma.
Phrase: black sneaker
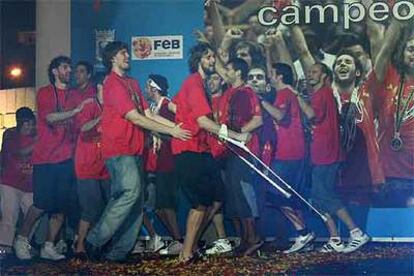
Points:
[[93, 252]]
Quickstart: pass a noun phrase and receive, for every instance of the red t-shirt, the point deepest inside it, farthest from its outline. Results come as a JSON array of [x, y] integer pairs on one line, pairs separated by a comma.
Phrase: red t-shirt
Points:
[[240, 105], [163, 160], [75, 98], [218, 149], [89, 163], [16, 169], [120, 136], [54, 142], [191, 103], [291, 140], [325, 147], [399, 164]]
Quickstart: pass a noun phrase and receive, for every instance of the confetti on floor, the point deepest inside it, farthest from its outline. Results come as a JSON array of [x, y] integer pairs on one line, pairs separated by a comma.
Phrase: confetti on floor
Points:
[[268, 262]]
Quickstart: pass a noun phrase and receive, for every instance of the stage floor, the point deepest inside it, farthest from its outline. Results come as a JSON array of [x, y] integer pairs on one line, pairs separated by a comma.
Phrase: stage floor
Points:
[[374, 259]]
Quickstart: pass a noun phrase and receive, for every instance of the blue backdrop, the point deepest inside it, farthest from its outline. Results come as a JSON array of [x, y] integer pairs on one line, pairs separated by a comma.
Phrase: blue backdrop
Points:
[[181, 17], [137, 18]]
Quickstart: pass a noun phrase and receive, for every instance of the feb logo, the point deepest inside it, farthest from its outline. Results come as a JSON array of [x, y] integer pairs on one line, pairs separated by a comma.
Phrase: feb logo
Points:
[[142, 47]]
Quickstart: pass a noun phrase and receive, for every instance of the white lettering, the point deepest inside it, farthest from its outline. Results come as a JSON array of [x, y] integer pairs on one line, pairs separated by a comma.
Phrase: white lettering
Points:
[[379, 11], [322, 10], [403, 13], [265, 14], [348, 8], [294, 14]]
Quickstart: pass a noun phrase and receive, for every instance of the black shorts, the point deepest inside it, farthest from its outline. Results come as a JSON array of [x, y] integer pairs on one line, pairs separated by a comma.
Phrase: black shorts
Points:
[[195, 172], [54, 189], [218, 176], [166, 190]]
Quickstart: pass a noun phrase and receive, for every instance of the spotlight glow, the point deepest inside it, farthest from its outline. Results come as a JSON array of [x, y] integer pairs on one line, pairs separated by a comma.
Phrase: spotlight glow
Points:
[[15, 72]]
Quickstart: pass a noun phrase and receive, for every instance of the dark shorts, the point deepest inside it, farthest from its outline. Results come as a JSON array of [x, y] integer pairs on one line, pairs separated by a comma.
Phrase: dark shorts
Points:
[[324, 194], [241, 199], [291, 171], [218, 175], [195, 174], [395, 193], [93, 194], [166, 190], [54, 188]]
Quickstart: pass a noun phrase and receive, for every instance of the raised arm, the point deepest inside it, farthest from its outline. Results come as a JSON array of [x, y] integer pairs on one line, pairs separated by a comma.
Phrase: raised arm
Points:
[[301, 46], [388, 47], [217, 22]]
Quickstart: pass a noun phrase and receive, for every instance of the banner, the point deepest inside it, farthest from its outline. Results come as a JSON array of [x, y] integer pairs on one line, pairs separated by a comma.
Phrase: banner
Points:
[[157, 47]]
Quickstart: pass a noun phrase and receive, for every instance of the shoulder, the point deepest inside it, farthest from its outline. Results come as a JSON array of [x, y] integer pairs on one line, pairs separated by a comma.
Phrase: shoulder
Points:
[[45, 89], [10, 133], [193, 80]]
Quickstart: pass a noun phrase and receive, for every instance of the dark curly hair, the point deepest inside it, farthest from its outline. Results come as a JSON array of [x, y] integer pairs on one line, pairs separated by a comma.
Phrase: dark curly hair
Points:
[[196, 53], [110, 50], [55, 63]]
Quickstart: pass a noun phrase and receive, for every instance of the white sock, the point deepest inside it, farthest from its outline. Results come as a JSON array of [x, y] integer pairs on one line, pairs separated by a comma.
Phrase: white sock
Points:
[[48, 244], [356, 232]]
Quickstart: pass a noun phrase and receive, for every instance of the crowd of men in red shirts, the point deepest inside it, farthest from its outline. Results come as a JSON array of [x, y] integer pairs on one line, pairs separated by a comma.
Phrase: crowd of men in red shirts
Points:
[[87, 161]]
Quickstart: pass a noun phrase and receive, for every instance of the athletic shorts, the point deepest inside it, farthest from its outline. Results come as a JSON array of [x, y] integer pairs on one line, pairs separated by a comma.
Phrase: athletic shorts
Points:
[[291, 172], [324, 194], [195, 172], [54, 188], [240, 196], [166, 190]]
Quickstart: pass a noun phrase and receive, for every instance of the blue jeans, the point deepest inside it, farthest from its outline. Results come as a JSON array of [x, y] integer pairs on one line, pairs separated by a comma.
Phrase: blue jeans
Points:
[[122, 217]]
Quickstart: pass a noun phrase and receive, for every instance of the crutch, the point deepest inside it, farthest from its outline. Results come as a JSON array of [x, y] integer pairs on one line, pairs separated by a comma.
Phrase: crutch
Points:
[[246, 149], [280, 189]]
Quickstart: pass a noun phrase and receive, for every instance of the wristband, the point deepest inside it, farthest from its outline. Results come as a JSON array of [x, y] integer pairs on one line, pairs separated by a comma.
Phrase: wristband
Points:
[[223, 132]]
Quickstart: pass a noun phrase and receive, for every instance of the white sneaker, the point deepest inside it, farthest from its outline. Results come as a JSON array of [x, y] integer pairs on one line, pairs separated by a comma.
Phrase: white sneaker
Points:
[[139, 248], [300, 243], [173, 248], [155, 244], [356, 241], [332, 246], [22, 248], [220, 246], [49, 252], [61, 247]]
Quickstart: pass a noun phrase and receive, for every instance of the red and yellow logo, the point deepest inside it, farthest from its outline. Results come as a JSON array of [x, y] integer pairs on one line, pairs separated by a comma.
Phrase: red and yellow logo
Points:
[[142, 47]]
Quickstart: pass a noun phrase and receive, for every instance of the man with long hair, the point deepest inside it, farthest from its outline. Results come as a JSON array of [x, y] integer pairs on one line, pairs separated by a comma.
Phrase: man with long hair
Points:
[[125, 115]]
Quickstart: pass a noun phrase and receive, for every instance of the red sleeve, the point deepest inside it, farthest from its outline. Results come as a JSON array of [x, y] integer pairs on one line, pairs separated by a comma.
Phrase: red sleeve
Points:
[[282, 101], [197, 99], [119, 99], [46, 103], [319, 103]]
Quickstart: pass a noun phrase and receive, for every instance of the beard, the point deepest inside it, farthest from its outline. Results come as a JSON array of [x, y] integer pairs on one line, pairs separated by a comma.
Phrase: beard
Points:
[[208, 70], [63, 78], [344, 82]]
